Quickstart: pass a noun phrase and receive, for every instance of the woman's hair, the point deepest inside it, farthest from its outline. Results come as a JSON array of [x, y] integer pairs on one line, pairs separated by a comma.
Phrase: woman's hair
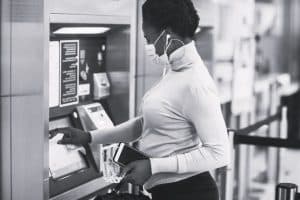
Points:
[[179, 15]]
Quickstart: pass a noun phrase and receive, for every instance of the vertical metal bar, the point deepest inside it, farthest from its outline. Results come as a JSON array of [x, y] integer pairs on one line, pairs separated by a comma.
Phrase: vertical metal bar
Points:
[[273, 132], [5, 148], [133, 68], [5, 46], [283, 134], [228, 183], [251, 150], [45, 98], [133, 59], [5, 100], [234, 122], [243, 153], [140, 67]]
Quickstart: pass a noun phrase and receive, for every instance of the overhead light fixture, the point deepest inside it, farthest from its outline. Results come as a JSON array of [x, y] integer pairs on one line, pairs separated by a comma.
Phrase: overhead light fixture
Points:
[[81, 30]]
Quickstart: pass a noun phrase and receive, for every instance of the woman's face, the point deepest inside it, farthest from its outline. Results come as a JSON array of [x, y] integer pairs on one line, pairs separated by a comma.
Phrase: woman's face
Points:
[[151, 34]]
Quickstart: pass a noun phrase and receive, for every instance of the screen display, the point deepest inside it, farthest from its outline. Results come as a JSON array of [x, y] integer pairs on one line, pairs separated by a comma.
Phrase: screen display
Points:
[[129, 155], [63, 159]]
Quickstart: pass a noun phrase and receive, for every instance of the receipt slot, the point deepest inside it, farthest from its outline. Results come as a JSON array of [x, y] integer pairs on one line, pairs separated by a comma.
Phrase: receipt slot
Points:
[[101, 86], [71, 166]]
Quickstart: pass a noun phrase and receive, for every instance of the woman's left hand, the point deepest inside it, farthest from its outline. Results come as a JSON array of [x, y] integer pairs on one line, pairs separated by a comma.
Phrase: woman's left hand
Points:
[[137, 172]]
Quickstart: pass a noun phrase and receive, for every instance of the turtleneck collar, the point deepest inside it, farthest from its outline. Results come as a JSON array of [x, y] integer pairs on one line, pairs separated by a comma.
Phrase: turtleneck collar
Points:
[[183, 57]]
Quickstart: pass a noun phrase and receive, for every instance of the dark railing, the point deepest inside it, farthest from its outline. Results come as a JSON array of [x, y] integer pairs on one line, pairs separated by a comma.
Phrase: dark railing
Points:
[[269, 142], [251, 128], [242, 136], [284, 191]]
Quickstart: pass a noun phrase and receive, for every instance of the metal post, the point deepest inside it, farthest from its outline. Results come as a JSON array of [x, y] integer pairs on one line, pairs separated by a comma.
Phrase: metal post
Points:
[[286, 191], [243, 162], [273, 132], [227, 193], [283, 134]]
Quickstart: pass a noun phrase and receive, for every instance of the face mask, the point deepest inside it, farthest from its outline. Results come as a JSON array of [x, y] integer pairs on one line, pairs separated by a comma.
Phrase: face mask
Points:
[[163, 59], [159, 60]]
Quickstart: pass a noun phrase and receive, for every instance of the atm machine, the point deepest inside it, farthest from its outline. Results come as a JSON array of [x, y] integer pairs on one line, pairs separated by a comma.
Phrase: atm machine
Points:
[[62, 63], [91, 86]]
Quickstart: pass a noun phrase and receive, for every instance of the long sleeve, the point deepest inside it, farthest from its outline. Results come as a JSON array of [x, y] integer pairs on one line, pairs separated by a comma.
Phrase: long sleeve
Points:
[[202, 109], [126, 132]]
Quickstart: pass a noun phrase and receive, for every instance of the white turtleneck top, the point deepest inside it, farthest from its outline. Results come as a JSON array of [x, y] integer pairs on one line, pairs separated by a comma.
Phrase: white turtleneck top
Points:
[[183, 128]]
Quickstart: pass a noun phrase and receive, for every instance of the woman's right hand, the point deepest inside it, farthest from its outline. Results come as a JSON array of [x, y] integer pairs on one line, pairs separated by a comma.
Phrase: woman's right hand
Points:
[[72, 136]]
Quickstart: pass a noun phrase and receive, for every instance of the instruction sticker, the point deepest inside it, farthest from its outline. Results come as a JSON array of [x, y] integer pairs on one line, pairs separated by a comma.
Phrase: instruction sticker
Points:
[[69, 72]]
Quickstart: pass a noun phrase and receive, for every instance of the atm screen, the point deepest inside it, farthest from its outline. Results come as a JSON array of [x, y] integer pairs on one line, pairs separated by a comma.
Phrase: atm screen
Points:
[[63, 159]]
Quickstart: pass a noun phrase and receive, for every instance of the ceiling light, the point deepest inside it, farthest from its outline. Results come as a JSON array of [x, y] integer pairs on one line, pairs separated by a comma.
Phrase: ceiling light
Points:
[[81, 30]]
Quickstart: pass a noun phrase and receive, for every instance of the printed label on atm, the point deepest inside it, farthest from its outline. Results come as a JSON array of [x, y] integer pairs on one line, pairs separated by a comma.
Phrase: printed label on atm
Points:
[[69, 72]]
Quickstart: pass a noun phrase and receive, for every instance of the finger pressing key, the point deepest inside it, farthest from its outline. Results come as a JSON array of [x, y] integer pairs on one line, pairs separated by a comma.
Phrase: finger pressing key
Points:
[[65, 140]]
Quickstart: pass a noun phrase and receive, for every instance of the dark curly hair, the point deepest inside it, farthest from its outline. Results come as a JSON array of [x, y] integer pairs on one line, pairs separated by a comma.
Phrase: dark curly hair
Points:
[[179, 15]]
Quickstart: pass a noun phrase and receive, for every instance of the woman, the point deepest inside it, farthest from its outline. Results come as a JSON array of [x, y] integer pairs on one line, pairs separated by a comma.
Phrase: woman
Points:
[[181, 126]]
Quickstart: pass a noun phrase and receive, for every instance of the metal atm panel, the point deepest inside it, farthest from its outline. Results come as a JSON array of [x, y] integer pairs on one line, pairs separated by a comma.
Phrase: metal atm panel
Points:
[[27, 30], [5, 37], [5, 150], [23, 107], [27, 161]]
